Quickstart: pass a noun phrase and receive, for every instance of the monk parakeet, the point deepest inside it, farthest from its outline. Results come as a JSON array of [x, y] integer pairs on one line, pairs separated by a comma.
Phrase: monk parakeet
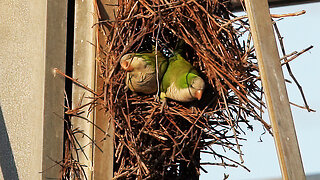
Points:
[[181, 82], [141, 71]]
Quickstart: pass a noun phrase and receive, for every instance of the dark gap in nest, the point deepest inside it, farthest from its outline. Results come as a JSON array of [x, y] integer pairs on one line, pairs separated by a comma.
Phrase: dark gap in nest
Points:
[[67, 164], [69, 56]]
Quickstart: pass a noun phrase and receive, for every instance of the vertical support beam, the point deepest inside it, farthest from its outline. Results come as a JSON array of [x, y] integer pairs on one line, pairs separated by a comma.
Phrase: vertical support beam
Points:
[[84, 71], [103, 160], [275, 90], [53, 125]]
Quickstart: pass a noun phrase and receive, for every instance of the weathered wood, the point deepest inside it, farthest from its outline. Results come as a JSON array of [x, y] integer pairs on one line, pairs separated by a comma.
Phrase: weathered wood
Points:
[[84, 70], [274, 3], [103, 160], [275, 90], [53, 123]]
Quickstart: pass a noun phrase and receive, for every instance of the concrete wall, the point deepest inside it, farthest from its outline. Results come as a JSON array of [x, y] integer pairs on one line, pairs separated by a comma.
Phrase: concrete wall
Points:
[[32, 43]]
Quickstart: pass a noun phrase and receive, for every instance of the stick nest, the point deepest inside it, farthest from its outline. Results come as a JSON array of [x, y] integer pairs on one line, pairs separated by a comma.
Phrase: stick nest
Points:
[[150, 144]]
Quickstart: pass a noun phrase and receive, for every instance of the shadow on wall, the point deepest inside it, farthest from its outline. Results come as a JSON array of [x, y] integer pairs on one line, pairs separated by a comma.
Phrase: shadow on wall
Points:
[[7, 163]]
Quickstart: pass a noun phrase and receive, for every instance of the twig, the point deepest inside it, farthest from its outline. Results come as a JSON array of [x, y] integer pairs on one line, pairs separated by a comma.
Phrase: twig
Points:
[[289, 68], [75, 81]]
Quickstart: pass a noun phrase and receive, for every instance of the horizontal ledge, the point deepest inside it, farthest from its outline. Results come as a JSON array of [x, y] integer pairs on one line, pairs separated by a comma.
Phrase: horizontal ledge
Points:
[[273, 3]]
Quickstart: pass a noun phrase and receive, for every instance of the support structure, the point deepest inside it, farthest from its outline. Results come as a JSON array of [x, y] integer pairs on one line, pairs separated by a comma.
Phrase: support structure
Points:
[[275, 90], [98, 157], [84, 69], [103, 157], [274, 3]]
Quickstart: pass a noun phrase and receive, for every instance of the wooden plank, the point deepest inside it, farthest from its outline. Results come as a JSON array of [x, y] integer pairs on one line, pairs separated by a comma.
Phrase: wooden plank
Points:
[[236, 4], [53, 124], [84, 71], [103, 160], [275, 90]]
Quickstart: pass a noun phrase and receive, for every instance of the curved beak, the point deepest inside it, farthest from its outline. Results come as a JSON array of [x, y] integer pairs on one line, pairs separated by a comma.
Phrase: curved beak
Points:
[[198, 94], [126, 66]]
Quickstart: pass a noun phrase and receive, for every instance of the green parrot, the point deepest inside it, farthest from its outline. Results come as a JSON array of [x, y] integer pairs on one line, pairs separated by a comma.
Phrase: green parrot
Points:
[[141, 71], [181, 82]]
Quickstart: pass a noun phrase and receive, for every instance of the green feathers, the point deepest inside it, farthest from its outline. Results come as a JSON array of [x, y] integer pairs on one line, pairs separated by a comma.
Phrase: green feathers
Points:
[[181, 82], [142, 72], [177, 77]]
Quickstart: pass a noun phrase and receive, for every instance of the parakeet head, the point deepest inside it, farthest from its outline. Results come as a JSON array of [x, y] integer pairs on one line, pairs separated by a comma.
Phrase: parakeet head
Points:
[[125, 62], [196, 86], [130, 62]]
